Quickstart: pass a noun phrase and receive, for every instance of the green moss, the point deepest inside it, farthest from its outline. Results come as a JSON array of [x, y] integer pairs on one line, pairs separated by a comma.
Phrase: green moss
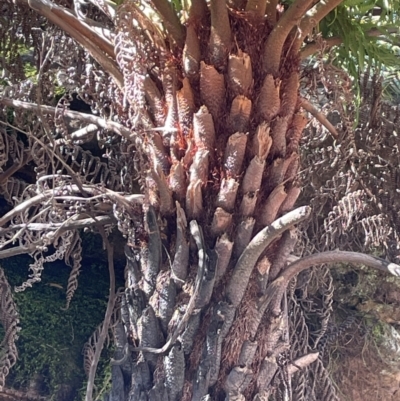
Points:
[[30, 72], [59, 91], [377, 329], [51, 339]]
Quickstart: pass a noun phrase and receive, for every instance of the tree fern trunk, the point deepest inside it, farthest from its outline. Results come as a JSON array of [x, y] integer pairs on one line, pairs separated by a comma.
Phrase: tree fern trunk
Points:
[[205, 107], [219, 131]]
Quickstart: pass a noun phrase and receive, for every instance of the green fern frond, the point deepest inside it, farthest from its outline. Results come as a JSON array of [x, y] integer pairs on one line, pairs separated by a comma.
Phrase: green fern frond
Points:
[[357, 23]]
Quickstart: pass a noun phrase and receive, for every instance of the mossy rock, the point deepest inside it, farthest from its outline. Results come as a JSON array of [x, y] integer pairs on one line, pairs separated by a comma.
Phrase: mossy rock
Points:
[[51, 338]]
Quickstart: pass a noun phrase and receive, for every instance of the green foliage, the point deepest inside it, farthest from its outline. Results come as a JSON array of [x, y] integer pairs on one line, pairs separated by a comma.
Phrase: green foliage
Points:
[[357, 23], [376, 328], [59, 91], [30, 72], [177, 5], [51, 339]]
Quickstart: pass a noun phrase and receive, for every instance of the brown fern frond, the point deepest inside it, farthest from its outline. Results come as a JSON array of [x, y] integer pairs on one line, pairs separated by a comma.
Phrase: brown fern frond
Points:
[[88, 350], [36, 267], [11, 150], [75, 253], [13, 190], [10, 321]]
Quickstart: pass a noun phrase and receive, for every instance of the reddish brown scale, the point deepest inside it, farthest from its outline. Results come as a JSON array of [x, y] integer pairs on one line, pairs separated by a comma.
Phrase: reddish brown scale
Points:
[[253, 176], [239, 116], [212, 90], [292, 194], [240, 74], [203, 129], [270, 208], [186, 107], [269, 102], [278, 133], [292, 167], [295, 132], [262, 141], [290, 89], [274, 175], [234, 154], [221, 222], [177, 180], [248, 204], [227, 194], [191, 52]]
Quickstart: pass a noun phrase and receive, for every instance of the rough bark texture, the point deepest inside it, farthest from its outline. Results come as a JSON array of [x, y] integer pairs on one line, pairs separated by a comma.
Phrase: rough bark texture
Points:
[[202, 335]]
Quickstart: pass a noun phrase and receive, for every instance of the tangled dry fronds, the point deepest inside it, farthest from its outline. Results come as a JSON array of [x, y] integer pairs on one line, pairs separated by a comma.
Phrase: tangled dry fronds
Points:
[[354, 190]]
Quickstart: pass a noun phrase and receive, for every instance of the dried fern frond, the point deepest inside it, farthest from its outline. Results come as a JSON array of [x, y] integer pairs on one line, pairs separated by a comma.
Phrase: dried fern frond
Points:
[[75, 253], [89, 348], [10, 321]]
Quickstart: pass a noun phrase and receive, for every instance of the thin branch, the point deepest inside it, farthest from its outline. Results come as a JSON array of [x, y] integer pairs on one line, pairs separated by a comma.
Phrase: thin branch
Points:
[[318, 12], [313, 48], [241, 274], [70, 225], [80, 136], [171, 21], [96, 52], [84, 29], [51, 150], [302, 362], [319, 116], [73, 115], [275, 291], [116, 197], [24, 205], [340, 257], [311, 20], [83, 134], [18, 250], [105, 33], [21, 230], [44, 56]]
